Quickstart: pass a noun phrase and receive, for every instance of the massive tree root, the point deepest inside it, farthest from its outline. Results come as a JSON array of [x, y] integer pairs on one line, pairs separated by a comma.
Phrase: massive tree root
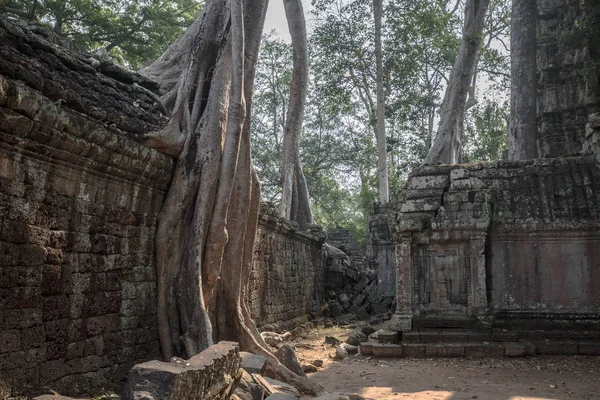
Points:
[[207, 226]]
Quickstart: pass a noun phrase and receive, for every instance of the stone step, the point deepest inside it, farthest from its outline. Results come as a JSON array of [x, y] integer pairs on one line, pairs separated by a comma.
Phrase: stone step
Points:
[[441, 323], [558, 334], [483, 349], [458, 335], [387, 337]]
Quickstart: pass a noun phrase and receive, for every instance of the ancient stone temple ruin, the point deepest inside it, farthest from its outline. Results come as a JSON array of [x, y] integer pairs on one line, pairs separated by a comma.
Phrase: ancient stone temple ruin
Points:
[[79, 199], [512, 244], [503, 248]]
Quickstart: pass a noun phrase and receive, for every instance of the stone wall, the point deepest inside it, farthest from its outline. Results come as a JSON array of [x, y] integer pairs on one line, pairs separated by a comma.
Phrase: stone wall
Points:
[[345, 240], [501, 241], [79, 198], [288, 273], [78, 206], [568, 82]]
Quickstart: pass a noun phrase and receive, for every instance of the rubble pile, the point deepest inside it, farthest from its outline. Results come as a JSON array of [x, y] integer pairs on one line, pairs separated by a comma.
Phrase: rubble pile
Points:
[[351, 291]]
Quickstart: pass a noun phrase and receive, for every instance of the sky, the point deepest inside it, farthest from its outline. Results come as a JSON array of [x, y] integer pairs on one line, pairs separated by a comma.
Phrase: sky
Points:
[[276, 18]]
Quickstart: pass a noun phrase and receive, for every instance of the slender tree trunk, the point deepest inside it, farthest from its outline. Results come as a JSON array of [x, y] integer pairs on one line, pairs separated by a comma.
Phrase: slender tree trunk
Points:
[[447, 145], [295, 202], [382, 170], [523, 127], [207, 226]]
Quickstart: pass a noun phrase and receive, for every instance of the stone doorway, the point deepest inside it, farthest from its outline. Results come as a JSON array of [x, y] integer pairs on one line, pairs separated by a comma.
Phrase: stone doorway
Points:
[[442, 282]]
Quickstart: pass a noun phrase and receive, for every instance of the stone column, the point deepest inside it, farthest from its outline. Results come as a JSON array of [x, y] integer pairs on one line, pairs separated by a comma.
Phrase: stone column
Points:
[[402, 320], [478, 303]]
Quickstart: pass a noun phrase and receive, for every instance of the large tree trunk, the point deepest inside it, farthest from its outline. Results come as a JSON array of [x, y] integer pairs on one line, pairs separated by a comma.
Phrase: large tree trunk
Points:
[[523, 128], [207, 226], [384, 191], [295, 202], [447, 145]]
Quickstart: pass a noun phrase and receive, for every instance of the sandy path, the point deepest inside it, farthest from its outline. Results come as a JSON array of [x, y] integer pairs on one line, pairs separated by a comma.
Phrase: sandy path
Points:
[[530, 378]]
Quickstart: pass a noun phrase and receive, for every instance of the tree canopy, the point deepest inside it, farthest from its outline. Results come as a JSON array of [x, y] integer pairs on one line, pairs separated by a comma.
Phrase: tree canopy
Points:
[[420, 40], [135, 32]]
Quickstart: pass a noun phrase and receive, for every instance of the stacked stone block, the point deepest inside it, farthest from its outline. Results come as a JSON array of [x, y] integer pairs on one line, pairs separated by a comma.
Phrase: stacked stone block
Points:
[[526, 235], [78, 213], [568, 81], [345, 240], [78, 206]]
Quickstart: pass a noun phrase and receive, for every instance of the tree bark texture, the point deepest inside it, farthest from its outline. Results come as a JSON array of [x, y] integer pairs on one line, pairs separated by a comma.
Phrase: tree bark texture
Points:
[[295, 202], [523, 127], [207, 226], [447, 145], [384, 191]]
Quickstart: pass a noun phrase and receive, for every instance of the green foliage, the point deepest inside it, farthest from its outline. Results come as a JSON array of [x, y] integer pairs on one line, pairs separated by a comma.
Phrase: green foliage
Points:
[[135, 32], [586, 29], [270, 99], [486, 133], [338, 152]]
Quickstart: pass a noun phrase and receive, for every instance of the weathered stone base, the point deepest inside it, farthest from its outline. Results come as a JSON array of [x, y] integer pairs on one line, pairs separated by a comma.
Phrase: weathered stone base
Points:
[[401, 323]]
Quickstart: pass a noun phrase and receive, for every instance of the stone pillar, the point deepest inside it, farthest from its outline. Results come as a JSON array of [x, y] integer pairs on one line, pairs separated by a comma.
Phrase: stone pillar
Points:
[[402, 320], [478, 303]]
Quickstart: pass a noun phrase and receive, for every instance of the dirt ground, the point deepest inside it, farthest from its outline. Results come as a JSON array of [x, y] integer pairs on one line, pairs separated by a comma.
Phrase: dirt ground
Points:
[[530, 378]]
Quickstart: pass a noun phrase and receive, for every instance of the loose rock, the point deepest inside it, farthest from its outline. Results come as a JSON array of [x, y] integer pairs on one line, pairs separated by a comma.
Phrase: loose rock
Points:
[[355, 338], [341, 353], [286, 355], [332, 341]]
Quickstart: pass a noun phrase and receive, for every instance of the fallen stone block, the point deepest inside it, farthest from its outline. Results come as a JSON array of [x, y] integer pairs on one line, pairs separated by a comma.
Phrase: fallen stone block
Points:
[[317, 363], [280, 387], [350, 348], [287, 356], [367, 330], [249, 389], [379, 309], [271, 338], [333, 341], [362, 314], [355, 338], [208, 375], [309, 368], [341, 353], [252, 363]]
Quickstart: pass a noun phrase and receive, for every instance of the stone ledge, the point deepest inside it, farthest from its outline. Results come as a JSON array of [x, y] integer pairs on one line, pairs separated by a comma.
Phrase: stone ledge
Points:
[[100, 89], [42, 129]]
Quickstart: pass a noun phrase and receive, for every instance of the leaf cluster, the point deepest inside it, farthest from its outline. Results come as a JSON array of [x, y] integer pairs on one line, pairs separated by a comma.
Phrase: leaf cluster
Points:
[[135, 32]]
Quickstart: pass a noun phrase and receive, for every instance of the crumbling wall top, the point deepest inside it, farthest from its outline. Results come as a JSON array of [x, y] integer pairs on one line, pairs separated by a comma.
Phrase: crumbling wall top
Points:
[[121, 99]]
